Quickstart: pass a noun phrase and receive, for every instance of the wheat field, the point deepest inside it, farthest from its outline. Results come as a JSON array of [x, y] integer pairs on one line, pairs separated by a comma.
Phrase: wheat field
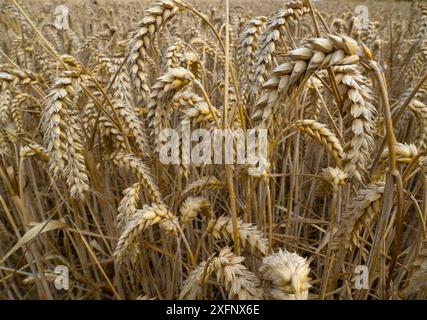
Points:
[[88, 89]]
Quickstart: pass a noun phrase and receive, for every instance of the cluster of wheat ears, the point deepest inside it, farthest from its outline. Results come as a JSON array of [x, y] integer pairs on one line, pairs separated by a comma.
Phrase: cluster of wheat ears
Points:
[[82, 109]]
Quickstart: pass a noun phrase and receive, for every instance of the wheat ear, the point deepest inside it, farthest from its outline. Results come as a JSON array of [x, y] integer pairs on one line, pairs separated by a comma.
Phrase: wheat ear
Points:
[[286, 276], [130, 162], [361, 211], [54, 118], [34, 149], [420, 111], [16, 112], [248, 45], [192, 207], [142, 39], [359, 119], [249, 235], [237, 279], [75, 171], [193, 285], [5, 106], [128, 204], [405, 153], [323, 135], [204, 183], [318, 54], [418, 278], [141, 220], [159, 108], [276, 27]]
